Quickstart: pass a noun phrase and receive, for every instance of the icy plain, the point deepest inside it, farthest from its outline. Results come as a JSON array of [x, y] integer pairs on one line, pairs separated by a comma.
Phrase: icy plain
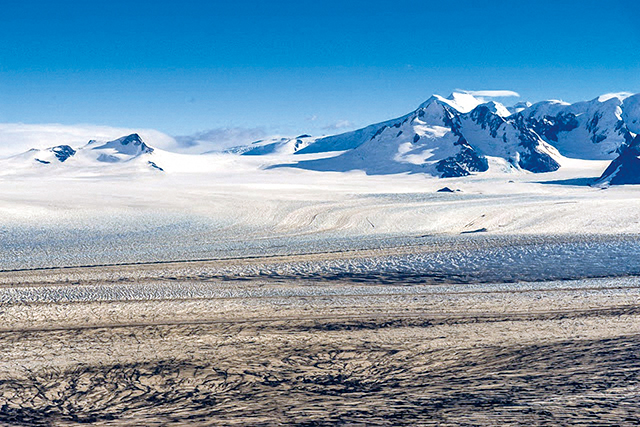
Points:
[[220, 206], [221, 292]]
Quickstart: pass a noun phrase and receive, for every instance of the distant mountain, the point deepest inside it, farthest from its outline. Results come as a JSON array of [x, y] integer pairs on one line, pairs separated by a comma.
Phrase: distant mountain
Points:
[[128, 149], [273, 146], [120, 150], [446, 137], [47, 156], [631, 113], [626, 168], [461, 135], [591, 130]]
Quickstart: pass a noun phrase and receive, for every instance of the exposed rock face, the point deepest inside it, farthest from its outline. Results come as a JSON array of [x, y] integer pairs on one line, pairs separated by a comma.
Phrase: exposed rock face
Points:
[[63, 152], [590, 130], [464, 163], [626, 168], [446, 137]]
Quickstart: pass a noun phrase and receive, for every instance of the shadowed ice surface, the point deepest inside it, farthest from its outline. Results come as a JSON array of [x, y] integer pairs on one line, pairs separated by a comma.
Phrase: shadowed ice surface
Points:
[[463, 259]]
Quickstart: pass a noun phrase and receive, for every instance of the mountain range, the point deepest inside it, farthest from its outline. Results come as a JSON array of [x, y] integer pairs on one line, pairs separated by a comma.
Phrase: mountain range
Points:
[[454, 136], [129, 150], [462, 135]]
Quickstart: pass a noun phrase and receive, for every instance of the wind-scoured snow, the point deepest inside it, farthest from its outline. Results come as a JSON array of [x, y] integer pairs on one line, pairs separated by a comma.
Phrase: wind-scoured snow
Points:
[[223, 205]]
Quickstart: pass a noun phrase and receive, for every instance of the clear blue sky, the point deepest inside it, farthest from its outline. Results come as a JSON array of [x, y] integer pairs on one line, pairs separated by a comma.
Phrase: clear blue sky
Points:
[[294, 66]]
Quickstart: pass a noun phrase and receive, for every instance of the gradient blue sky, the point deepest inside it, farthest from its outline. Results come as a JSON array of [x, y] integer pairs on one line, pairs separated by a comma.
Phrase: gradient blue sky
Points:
[[299, 66]]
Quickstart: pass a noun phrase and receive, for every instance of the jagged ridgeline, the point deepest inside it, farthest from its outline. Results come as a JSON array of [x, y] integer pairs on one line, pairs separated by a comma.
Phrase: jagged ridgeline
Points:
[[462, 135], [456, 136]]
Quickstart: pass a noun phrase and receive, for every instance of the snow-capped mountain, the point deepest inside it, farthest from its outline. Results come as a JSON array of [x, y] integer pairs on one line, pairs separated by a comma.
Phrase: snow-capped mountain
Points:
[[446, 137], [120, 150], [461, 135], [626, 168], [57, 154], [591, 130], [130, 150]]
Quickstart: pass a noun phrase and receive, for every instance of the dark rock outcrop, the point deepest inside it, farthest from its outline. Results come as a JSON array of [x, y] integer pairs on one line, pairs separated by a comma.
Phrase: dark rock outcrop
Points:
[[626, 168], [63, 152]]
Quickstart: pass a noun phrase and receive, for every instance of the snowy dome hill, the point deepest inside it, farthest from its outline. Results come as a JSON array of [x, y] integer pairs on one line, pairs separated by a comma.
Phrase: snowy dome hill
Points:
[[120, 150], [59, 153], [128, 150]]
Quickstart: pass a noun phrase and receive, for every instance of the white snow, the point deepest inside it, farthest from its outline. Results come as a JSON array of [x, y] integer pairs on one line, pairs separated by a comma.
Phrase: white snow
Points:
[[619, 95], [88, 210], [497, 108], [598, 132], [631, 113], [207, 206], [16, 138], [462, 102]]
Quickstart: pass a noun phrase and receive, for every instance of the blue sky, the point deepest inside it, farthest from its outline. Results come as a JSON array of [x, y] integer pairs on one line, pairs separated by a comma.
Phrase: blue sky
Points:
[[299, 66]]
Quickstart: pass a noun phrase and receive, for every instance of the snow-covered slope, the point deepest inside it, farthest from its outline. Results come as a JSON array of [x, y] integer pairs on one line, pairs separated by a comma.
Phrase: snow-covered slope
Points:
[[273, 146], [129, 150], [58, 154], [591, 130], [631, 113], [626, 168], [120, 150], [446, 137], [461, 135]]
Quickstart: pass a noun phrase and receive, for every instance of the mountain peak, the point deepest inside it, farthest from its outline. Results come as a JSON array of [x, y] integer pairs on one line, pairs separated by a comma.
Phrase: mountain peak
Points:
[[631, 113], [133, 139], [618, 95], [519, 106], [63, 152], [461, 102], [129, 145], [496, 108]]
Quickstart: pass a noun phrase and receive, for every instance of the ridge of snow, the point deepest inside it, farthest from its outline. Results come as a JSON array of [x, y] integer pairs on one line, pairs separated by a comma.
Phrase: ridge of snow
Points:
[[497, 108], [619, 95], [462, 102]]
